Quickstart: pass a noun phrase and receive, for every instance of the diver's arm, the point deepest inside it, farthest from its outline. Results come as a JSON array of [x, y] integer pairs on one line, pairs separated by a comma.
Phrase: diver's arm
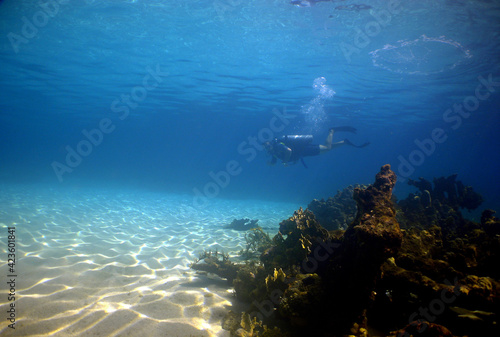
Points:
[[288, 154], [282, 152]]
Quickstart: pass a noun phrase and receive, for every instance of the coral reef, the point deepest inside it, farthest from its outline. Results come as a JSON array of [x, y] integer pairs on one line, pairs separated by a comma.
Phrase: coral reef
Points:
[[242, 325], [242, 224], [438, 202], [216, 263], [445, 277], [311, 269], [297, 238], [257, 241], [423, 329], [336, 212], [370, 239], [375, 227], [466, 305], [303, 301], [249, 284], [490, 223], [437, 275]]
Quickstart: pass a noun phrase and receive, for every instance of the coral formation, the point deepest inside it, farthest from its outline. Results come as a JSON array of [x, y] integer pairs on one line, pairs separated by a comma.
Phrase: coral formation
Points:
[[336, 212], [437, 275], [446, 270], [423, 329], [216, 263], [242, 325], [370, 239], [375, 228], [249, 284], [438, 202], [303, 300], [257, 241], [311, 269], [298, 236], [490, 223]]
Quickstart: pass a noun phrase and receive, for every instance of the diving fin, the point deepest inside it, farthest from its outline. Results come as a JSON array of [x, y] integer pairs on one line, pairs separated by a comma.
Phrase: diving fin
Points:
[[348, 142]]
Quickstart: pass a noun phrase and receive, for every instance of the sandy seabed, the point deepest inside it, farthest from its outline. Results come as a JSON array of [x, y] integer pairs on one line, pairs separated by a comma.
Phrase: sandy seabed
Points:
[[106, 262]]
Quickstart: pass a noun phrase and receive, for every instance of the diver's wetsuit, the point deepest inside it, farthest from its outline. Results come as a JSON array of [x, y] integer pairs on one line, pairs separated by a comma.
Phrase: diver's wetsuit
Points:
[[300, 145]]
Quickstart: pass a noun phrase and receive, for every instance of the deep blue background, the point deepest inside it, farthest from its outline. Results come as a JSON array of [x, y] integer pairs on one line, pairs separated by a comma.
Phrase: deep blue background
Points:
[[230, 64]]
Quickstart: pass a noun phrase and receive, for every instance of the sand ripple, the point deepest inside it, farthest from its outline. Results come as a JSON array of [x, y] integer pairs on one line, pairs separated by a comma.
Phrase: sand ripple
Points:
[[116, 263]]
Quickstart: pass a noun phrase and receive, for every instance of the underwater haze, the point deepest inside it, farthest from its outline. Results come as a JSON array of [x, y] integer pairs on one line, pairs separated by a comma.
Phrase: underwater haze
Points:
[[133, 130], [223, 67]]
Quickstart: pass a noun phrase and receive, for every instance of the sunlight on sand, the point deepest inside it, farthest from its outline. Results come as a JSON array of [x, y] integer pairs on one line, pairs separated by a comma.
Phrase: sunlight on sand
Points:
[[117, 264]]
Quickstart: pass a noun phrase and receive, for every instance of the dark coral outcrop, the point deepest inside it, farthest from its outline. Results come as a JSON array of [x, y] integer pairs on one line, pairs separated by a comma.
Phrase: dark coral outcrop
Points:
[[375, 230], [298, 237], [370, 239], [445, 271], [336, 212], [438, 203], [423, 329], [490, 223]]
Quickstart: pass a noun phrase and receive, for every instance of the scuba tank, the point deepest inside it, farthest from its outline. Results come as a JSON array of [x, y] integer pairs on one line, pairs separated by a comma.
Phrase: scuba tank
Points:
[[295, 140]]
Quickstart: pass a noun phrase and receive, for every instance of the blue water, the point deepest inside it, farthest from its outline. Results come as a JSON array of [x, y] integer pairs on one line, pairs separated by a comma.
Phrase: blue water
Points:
[[223, 70], [131, 131]]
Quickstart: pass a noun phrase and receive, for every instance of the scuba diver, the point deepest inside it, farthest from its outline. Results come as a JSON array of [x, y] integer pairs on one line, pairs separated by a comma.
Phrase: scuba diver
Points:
[[292, 148]]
